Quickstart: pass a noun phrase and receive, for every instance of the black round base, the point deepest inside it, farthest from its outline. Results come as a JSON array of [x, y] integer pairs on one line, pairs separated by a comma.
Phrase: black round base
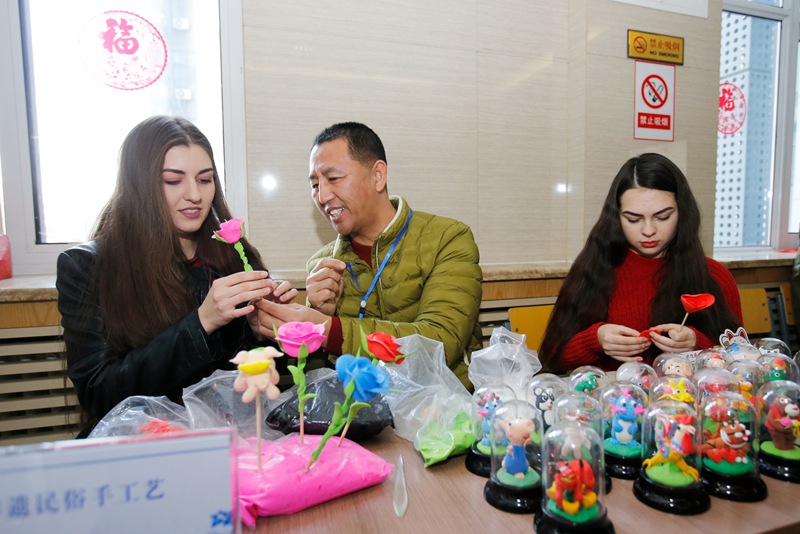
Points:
[[621, 467], [740, 489], [609, 486], [688, 500], [780, 468], [516, 501], [478, 463], [546, 524]]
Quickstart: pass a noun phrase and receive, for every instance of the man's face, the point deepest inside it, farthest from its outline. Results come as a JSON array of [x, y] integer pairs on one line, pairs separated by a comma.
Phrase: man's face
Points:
[[344, 190]]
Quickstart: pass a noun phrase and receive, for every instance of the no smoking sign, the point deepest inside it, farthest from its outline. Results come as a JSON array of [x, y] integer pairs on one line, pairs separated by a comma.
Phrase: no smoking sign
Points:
[[654, 101]]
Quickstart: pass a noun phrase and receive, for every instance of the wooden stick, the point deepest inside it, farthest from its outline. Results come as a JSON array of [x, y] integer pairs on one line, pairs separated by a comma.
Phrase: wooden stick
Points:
[[684, 321], [302, 425], [343, 433], [258, 427]]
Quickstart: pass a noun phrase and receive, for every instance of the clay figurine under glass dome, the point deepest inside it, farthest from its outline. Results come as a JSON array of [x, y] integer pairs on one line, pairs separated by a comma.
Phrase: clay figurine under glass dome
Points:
[[779, 432], [728, 461], [580, 408], [778, 367], [750, 375], [485, 402], [572, 472], [675, 388], [542, 391], [669, 480], [672, 364], [641, 374], [713, 380], [514, 484], [623, 406], [714, 358], [588, 379]]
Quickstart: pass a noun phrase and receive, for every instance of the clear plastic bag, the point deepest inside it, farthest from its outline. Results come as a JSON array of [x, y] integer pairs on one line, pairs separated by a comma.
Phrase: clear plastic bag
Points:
[[507, 360], [429, 404]]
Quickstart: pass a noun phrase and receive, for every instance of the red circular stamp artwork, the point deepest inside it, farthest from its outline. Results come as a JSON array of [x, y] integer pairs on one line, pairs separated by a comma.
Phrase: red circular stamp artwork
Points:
[[123, 50], [732, 108]]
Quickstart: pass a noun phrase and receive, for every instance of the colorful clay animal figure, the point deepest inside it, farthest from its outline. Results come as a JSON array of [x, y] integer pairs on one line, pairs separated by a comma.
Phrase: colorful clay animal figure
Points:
[[677, 390], [587, 384], [543, 400], [776, 370], [624, 426], [487, 405], [573, 486], [257, 372], [675, 441], [783, 422], [518, 433], [745, 385], [729, 441]]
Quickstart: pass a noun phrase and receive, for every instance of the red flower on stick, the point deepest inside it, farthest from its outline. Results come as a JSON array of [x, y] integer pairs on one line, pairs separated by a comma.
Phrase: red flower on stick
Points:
[[693, 303]]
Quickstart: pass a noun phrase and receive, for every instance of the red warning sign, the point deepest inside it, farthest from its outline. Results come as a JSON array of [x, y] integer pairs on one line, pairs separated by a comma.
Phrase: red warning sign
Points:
[[654, 105]]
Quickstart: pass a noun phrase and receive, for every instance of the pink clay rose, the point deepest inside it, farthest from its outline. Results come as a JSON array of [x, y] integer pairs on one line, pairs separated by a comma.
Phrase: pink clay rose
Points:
[[293, 334], [230, 231]]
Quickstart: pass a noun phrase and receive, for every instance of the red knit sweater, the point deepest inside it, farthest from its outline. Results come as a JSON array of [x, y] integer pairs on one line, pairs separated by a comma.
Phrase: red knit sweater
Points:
[[631, 306]]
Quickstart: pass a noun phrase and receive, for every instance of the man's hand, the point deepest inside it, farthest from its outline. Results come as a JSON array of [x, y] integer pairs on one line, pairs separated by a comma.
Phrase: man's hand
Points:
[[272, 314], [325, 284]]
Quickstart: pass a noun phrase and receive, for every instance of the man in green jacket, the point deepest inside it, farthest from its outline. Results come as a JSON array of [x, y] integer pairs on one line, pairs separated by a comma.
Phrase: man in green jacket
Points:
[[391, 269]]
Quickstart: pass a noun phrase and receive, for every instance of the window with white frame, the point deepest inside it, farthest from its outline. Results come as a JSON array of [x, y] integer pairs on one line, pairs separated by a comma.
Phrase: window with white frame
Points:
[[76, 77], [758, 185]]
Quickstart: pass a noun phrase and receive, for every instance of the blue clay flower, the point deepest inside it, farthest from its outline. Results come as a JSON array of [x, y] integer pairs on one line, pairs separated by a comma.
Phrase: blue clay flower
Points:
[[369, 379]]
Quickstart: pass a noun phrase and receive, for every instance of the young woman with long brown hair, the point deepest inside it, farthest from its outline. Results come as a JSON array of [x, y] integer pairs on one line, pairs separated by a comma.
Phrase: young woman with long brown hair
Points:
[[152, 304]]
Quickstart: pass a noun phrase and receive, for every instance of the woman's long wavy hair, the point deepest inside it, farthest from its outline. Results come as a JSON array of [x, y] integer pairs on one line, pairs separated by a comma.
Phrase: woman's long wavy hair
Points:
[[583, 299], [141, 269]]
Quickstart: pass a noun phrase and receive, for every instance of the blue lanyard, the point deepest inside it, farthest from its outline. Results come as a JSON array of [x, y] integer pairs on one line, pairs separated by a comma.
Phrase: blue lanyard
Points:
[[364, 296]]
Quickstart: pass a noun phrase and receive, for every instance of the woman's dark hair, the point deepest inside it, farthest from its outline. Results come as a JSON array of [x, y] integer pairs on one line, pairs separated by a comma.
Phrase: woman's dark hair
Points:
[[140, 271], [583, 298]]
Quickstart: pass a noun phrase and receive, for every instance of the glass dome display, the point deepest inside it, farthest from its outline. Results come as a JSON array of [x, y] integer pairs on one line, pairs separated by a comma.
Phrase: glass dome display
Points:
[[778, 367], [572, 471], [675, 388], [728, 460], [749, 374], [671, 364], [588, 379], [623, 406], [714, 358], [579, 408], [714, 380], [773, 345], [514, 484], [669, 479], [779, 431], [485, 401], [542, 392], [582, 409], [641, 374]]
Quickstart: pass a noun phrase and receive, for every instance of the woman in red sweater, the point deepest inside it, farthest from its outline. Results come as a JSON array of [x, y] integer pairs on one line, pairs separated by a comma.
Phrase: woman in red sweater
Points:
[[643, 253]]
